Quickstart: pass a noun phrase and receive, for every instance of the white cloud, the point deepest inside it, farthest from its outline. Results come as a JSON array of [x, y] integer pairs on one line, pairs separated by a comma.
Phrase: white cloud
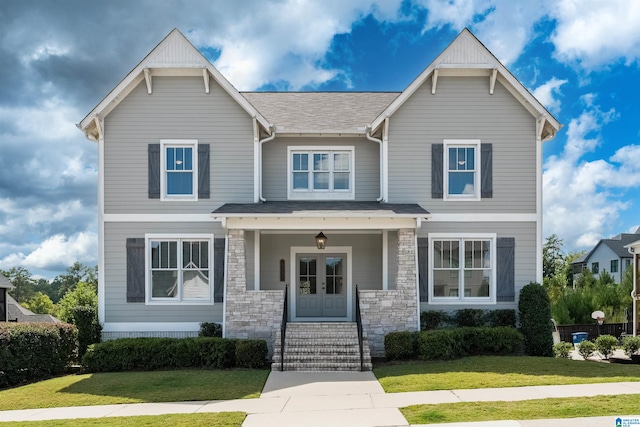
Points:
[[549, 94], [581, 198], [57, 252], [593, 34]]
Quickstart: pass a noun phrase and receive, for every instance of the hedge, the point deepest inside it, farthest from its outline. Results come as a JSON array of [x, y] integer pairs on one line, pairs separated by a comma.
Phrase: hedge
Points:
[[453, 343], [535, 320], [89, 330], [32, 351], [469, 317], [148, 354]]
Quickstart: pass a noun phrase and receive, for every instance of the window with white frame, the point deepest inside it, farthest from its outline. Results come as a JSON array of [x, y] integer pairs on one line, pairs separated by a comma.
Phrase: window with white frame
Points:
[[179, 269], [321, 173], [462, 169], [463, 268], [179, 176]]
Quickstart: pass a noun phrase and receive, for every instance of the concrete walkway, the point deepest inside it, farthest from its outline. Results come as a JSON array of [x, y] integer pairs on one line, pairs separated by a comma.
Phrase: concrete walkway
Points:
[[353, 399]]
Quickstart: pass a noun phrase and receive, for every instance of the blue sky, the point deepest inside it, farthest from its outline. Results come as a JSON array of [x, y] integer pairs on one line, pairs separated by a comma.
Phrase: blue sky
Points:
[[59, 59]]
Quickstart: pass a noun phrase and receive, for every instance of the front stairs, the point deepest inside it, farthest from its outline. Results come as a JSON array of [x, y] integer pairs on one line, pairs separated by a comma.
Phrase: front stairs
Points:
[[326, 346]]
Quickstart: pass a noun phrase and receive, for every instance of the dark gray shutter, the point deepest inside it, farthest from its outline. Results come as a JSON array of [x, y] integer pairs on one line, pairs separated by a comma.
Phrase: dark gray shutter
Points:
[[218, 270], [486, 171], [154, 171], [505, 288], [203, 171], [437, 160], [135, 269], [423, 268]]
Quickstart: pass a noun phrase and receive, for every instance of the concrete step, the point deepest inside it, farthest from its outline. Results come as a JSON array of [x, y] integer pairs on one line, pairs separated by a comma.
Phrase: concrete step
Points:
[[321, 366]]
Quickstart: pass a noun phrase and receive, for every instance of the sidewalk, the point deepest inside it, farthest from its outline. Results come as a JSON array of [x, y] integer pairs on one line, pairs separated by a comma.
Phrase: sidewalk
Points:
[[353, 399]]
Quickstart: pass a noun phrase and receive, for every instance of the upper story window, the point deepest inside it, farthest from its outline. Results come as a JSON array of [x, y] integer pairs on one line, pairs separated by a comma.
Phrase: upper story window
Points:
[[595, 268], [179, 269], [321, 173], [462, 175], [179, 175], [614, 265], [463, 268]]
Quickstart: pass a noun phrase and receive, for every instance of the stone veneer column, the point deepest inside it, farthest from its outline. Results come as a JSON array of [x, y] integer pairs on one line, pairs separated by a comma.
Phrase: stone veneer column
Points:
[[394, 310], [249, 314]]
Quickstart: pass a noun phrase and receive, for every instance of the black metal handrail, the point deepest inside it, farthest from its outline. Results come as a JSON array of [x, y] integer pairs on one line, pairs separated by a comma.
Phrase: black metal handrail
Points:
[[283, 327], [359, 326]]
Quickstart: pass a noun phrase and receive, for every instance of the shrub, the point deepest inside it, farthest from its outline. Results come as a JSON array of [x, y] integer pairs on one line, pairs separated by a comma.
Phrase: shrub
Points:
[[563, 350], [89, 329], [169, 353], [471, 317], [605, 344], [400, 345], [430, 320], [251, 353], [503, 317], [586, 349], [631, 345], [535, 320], [31, 351], [210, 329], [445, 344]]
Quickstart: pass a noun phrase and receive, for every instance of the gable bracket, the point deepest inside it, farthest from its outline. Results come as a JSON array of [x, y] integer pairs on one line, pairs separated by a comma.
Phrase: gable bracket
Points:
[[492, 80], [205, 76], [434, 81], [147, 79]]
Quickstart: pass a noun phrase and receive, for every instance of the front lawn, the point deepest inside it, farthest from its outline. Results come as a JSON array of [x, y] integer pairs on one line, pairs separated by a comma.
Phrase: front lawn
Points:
[[498, 371], [136, 387], [222, 419]]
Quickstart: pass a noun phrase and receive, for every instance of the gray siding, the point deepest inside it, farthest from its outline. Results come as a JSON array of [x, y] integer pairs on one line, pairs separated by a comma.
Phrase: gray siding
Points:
[[525, 253], [463, 109], [178, 109], [367, 165], [117, 308]]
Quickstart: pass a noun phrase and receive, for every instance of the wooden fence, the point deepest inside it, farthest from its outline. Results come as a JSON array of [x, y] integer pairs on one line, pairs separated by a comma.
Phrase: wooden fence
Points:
[[594, 330]]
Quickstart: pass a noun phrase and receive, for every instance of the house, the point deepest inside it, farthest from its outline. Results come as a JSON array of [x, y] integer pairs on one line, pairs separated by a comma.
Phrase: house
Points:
[[5, 285], [12, 311], [214, 204], [610, 255]]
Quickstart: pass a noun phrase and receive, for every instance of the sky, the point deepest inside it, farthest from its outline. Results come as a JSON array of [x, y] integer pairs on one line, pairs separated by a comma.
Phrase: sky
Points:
[[580, 58]]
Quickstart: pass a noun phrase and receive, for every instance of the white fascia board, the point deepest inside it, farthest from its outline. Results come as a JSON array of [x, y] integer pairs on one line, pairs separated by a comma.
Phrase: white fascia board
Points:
[[324, 223], [475, 217], [150, 327], [633, 247]]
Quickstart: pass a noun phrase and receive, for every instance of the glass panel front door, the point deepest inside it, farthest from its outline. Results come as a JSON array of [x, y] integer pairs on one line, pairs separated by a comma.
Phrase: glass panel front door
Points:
[[321, 285]]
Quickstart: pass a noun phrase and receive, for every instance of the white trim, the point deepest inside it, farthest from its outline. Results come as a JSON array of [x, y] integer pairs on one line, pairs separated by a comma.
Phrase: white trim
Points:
[[417, 281], [479, 217], [224, 287], [461, 299], [256, 162], [330, 194], [462, 143], [150, 327], [101, 221], [385, 260], [256, 260], [539, 201], [178, 143], [385, 160], [295, 250], [317, 223], [184, 217], [147, 268]]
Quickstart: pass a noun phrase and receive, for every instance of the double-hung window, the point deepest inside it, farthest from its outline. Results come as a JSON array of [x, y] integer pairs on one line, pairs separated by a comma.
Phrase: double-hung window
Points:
[[321, 173], [179, 269], [179, 175], [462, 169], [463, 268], [614, 265]]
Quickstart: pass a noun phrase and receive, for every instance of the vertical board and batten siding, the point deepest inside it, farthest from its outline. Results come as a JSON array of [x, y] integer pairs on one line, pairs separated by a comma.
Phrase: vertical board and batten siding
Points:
[[116, 307], [367, 165], [366, 257], [525, 253], [462, 108], [179, 108]]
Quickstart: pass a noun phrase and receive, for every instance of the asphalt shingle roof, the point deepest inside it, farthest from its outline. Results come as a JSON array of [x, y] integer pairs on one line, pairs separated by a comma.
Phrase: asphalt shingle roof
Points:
[[320, 112], [302, 206]]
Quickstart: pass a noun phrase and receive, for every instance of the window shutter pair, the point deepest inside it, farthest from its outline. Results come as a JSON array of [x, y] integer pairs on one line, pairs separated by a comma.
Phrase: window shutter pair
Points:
[[155, 170], [437, 171], [136, 269], [505, 262]]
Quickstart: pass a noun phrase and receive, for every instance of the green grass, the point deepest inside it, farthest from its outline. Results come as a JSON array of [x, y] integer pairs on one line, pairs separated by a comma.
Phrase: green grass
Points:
[[523, 410], [222, 419], [498, 371], [136, 387]]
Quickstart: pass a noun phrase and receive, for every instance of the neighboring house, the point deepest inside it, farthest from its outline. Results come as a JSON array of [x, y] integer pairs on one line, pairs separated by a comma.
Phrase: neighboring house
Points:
[[610, 255], [210, 199], [5, 285], [11, 311]]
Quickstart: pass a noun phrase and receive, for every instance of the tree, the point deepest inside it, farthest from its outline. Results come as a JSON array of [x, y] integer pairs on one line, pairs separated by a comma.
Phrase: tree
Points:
[[552, 256], [40, 303], [23, 282], [78, 272], [83, 295]]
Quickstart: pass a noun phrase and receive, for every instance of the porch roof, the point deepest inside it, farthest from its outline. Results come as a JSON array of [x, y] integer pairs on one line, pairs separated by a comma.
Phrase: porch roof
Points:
[[328, 208]]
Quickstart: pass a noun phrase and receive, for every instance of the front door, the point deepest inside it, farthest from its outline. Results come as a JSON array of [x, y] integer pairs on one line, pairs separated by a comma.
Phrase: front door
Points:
[[321, 285]]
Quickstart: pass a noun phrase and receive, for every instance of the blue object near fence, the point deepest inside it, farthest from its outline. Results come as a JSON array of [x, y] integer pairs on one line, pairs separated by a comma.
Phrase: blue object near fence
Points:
[[578, 337]]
